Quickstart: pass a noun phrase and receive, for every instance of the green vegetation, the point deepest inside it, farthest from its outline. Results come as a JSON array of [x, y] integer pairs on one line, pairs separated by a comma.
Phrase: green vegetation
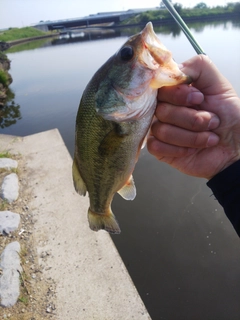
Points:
[[10, 113], [3, 78], [3, 57], [30, 45], [20, 33], [3, 205], [200, 12], [23, 299], [5, 154]]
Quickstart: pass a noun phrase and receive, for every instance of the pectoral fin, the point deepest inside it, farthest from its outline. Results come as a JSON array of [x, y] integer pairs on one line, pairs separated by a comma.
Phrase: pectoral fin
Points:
[[128, 191], [146, 137], [78, 182]]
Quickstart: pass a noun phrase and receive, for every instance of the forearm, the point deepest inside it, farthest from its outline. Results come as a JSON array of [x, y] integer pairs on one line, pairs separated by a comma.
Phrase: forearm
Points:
[[226, 188]]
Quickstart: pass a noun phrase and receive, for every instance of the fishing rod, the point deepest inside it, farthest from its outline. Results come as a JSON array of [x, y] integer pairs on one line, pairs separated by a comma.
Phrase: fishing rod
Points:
[[183, 26]]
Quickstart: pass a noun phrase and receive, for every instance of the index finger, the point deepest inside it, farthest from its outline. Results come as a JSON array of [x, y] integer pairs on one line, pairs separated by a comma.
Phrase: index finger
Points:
[[187, 118], [206, 77], [182, 95]]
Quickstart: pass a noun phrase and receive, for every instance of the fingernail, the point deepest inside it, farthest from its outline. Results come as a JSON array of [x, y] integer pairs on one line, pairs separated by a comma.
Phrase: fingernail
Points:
[[212, 140], [213, 123], [195, 97]]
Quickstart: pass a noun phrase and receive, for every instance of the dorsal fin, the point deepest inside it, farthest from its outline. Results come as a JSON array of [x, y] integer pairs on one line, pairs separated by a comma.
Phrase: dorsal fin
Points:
[[128, 191], [79, 184]]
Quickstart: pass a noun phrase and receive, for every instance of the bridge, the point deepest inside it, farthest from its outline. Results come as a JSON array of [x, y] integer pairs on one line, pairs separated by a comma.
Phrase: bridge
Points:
[[92, 19]]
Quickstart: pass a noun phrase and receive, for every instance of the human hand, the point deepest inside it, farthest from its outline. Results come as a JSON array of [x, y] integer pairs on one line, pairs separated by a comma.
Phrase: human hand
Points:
[[197, 129]]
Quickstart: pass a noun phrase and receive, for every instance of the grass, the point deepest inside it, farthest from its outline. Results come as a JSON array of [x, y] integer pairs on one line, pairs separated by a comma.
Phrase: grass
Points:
[[23, 299], [3, 78], [23, 278], [20, 33], [27, 46], [5, 154], [11, 170], [3, 205], [3, 56], [23, 253]]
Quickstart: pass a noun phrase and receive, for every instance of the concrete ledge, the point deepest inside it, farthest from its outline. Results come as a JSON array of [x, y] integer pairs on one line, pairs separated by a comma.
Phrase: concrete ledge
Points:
[[92, 281]]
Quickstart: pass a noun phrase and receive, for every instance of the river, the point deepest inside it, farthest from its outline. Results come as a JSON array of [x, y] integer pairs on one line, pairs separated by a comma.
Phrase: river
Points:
[[176, 242]]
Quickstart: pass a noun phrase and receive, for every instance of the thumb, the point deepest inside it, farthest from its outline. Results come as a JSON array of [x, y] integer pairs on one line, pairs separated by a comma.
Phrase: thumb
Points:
[[206, 77]]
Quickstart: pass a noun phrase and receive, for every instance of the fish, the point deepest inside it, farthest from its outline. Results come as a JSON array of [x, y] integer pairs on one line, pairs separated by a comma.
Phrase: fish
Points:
[[113, 119]]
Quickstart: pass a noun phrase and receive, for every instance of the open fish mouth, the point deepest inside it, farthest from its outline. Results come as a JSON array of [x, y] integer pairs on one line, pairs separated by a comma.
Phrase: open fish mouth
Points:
[[157, 57], [156, 49]]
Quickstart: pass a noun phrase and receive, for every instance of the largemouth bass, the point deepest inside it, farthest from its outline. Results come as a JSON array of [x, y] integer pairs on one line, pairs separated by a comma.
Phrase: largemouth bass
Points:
[[113, 119]]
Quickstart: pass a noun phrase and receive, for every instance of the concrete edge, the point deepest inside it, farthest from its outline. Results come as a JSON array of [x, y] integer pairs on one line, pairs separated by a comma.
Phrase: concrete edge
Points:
[[92, 280]]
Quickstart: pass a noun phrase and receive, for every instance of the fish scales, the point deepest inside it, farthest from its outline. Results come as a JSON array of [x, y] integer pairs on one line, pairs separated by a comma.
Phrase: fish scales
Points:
[[106, 138]]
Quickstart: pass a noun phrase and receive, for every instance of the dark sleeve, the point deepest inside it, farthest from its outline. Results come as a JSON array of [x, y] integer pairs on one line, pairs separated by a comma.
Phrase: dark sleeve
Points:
[[226, 188]]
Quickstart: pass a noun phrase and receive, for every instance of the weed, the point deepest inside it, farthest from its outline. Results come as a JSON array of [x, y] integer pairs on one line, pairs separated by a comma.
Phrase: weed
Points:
[[3, 78], [11, 170], [23, 254], [3, 205], [3, 170], [23, 299], [5, 154], [3, 56], [14, 170]]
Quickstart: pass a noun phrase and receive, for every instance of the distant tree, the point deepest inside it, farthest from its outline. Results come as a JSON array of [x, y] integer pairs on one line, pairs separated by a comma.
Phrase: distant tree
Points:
[[178, 7], [200, 5], [231, 5], [162, 5], [235, 7]]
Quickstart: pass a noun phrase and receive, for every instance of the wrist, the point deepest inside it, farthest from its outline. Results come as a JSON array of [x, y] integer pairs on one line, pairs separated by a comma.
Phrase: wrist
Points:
[[227, 164]]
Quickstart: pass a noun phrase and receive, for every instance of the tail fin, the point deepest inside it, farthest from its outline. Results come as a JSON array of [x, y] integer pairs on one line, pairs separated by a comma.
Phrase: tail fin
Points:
[[107, 222]]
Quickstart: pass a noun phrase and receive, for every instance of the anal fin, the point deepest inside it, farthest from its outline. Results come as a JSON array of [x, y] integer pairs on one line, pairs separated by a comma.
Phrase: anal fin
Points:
[[128, 191], [78, 182]]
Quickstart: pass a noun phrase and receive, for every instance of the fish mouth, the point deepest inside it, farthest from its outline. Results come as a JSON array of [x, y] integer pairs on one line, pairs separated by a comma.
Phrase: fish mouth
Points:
[[158, 58], [157, 50]]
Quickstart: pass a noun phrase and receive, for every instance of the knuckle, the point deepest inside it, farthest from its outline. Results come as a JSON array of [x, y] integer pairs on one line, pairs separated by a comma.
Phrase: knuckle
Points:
[[200, 139], [162, 132], [162, 111], [197, 122], [200, 121]]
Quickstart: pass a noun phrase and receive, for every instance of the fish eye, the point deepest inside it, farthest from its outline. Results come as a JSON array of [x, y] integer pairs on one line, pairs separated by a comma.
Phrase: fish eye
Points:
[[127, 53]]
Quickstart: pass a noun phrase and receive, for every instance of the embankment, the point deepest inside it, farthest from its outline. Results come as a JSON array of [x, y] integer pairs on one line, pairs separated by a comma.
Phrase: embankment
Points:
[[5, 77]]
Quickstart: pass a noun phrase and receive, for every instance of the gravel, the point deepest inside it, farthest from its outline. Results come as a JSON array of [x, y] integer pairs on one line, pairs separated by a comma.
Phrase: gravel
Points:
[[24, 292]]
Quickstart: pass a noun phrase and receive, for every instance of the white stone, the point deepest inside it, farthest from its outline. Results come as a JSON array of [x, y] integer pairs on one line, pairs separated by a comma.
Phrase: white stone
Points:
[[9, 281], [7, 163], [10, 188], [9, 221]]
